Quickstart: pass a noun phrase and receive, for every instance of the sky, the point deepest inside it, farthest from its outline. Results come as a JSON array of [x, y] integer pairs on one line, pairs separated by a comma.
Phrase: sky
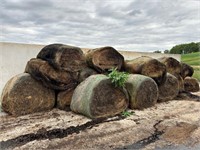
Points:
[[133, 25]]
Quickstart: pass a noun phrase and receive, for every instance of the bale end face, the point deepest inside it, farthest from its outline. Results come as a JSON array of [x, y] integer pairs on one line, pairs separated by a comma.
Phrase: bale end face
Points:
[[63, 57], [173, 66], [23, 95], [191, 84], [104, 59], [108, 100], [156, 70], [143, 91]]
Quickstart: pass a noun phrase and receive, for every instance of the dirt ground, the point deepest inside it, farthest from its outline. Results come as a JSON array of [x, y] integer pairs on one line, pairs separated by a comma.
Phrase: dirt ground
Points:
[[170, 125]]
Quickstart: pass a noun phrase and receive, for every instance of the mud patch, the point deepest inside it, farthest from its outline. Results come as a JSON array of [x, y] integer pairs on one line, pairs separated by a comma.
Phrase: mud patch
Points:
[[179, 133]]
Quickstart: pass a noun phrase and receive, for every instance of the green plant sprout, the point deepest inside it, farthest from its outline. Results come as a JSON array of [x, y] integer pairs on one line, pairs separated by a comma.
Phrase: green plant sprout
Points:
[[127, 113], [118, 78]]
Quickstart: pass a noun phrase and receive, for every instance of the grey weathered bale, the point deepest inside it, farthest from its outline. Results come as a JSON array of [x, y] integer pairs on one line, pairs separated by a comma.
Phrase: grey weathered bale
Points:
[[63, 57], [169, 89], [143, 91], [24, 95], [50, 77], [147, 66], [191, 84], [104, 58], [64, 99], [97, 97], [186, 70]]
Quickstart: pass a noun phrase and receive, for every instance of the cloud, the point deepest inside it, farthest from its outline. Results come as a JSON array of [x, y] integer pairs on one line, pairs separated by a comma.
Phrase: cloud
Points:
[[136, 25]]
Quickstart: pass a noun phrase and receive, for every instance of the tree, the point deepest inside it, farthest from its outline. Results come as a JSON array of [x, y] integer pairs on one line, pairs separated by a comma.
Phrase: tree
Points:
[[157, 51], [185, 48], [166, 51]]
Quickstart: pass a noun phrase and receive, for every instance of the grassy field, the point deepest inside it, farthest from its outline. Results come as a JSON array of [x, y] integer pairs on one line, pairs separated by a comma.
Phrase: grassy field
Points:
[[193, 59]]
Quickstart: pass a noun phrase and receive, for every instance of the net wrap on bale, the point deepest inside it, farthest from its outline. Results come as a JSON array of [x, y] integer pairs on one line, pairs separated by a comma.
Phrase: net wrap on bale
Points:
[[97, 97], [143, 91]]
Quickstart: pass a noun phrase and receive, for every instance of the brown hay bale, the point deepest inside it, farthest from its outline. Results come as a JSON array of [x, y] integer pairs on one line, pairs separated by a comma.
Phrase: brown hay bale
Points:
[[169, 89], [63, 57], [186, 70], [191, 84], [104, 58], [143, 91], [187, 96], [97, 97], [24, 95], [147, 66], [64, 99], [85, 73], [173, 66], [49, 76], [180, 82]]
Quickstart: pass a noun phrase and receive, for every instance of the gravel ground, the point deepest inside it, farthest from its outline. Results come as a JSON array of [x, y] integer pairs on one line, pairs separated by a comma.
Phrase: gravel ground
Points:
[[170, 125]]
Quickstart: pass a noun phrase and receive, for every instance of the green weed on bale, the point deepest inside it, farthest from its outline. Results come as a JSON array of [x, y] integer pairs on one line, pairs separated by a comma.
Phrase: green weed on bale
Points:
[[118, 78]]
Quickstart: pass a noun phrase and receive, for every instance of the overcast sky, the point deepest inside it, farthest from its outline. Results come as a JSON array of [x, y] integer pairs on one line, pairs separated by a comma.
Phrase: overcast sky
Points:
[[137, 25]]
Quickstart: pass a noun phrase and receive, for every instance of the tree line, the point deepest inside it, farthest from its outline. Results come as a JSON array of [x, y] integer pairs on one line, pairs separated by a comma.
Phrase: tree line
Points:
[[183, 48]]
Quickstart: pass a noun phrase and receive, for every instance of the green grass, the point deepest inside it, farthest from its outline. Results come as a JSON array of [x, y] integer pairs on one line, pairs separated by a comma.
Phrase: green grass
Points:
[[127, 113], [193, 59], [197, 73]]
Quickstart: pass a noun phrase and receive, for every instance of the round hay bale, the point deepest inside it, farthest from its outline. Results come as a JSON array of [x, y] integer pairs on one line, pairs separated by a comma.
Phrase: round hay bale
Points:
[[143, 91], [24, 95], [63, 57], [52, 78], [85, 73], [191, 84], [186, 70], [64, 99], [147, 66], [169, 89], [180, 82], [173, 66], [104, 58], [97, 97]]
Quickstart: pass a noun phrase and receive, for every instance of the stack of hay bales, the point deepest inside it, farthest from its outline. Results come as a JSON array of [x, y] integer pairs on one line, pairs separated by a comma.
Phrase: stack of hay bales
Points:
[[63, 76]]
